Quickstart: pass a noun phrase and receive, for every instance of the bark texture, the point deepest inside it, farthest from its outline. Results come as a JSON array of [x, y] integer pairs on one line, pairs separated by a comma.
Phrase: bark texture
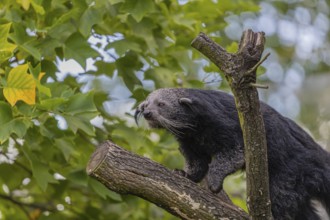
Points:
[[127, 173], [240, 72]]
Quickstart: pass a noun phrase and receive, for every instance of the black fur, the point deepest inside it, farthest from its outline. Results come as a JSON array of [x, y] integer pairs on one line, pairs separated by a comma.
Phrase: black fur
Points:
[[210, 138]]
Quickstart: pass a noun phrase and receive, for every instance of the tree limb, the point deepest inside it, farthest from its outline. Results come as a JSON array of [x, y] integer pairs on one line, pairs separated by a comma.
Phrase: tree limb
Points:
[[240, 71], [42, 207], [127, 173]]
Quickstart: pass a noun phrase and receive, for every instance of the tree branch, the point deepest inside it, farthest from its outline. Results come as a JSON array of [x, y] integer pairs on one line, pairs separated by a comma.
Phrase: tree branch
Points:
[[240, 71], [125, 172], [42, 207]]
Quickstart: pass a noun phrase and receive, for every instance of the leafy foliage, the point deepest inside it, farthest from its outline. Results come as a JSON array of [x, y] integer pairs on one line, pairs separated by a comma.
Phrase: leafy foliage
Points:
[[52, 121], [20, 86]]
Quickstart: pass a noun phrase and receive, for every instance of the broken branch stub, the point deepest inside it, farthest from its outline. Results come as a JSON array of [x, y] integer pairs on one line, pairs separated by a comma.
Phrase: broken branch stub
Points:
[[125, 172]]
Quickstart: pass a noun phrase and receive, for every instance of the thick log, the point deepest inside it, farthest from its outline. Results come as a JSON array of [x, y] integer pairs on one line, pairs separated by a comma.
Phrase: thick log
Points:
[[128, 173]]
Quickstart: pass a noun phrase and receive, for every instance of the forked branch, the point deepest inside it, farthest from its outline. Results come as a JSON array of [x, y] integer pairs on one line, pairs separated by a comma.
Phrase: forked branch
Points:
[[240, 72]]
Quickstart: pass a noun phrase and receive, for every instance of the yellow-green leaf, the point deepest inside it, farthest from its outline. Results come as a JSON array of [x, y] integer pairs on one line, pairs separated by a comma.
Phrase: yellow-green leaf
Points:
[[42, 89], [25, 4], [20, 86], [6, 49], [232, 48], [38, 8]]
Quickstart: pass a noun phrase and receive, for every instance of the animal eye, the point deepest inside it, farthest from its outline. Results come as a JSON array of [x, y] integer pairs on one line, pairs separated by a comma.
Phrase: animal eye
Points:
[[161, 104]]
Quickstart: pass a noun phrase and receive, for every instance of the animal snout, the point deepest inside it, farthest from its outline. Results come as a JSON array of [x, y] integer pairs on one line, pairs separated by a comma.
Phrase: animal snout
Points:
[[147, 114]]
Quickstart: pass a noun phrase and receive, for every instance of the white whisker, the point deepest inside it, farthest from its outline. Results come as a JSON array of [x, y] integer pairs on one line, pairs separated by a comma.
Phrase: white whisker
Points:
[[175, 126]]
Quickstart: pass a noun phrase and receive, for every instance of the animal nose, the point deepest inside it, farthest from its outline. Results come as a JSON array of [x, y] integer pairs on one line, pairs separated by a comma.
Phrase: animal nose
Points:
[[147, 114]]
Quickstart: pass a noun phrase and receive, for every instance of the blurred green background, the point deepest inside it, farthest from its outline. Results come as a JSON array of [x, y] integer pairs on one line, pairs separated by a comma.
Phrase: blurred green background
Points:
[[100, 58]]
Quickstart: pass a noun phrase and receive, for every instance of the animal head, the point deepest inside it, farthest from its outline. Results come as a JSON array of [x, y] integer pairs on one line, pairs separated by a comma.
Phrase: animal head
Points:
[[168, 109]]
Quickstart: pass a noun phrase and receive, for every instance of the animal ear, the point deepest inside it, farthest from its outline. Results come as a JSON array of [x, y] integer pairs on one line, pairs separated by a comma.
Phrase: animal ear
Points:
[[185, 101]]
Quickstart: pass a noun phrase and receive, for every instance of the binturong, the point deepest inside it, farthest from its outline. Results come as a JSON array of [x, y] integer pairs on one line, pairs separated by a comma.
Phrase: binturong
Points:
[[206, 126]]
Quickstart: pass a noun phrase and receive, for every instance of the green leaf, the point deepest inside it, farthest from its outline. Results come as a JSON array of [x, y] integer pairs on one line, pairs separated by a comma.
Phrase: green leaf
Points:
[[102, 191], [27, 47], [47, 46], [61, 32], [49, 68], [79, 177], [43, 89], [19, 35], [261, 70], [25, 4], [6, 49], [196, 83], [40, 170], [104, 68], [232, 48], [66, 146], [79, 111], [4, 32], [116, 1], [163, 77], [144, 30], [49, 127], [81, 103], [127, 66], [37, 74], [188, 65], [139, 94], [51, 104], [182, 20], [138, 8], [25, 42], [38, 8], [6, 114], [17, 126], [80, 122], [63, 27], [27, 110], [121, 132], [5, 54], [124, 45], [61, 90], [77, 48], [90, 17]]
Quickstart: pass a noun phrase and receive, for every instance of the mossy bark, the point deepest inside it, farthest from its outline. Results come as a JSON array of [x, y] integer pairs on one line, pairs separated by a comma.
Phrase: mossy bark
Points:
[[240, 72], [127, 173]]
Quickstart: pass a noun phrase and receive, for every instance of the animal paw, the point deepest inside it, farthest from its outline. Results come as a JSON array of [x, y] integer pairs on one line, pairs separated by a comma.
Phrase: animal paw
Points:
[[214, 184]]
